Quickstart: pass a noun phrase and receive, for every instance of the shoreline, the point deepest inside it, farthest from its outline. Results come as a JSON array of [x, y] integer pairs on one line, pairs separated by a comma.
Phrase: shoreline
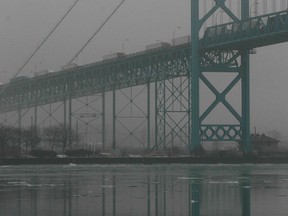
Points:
[[145, 160]]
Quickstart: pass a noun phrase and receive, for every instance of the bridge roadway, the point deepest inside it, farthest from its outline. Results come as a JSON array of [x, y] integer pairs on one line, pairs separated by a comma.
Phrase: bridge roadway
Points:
[[132, 70], [144, 67]]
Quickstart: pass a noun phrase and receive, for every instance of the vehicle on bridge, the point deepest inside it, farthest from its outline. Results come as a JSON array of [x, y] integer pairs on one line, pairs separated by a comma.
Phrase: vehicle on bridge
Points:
[[43, 72], [159, 45], [181, 40], [19, 78], [69, 66], [114, 55]]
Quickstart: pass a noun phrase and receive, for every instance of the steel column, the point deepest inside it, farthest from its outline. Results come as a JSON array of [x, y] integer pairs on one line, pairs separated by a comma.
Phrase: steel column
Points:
[[148, 116], [195, 76], [245, 58], [103, 121], [20, 127], [64, 125], [204, 61], [156, 144], [70, 121], [114, 120], [35, 121]]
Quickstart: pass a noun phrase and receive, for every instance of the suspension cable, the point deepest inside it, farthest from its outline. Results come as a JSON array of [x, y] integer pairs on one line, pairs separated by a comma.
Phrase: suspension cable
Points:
[[45, 39], [51, 32], [98, 30]]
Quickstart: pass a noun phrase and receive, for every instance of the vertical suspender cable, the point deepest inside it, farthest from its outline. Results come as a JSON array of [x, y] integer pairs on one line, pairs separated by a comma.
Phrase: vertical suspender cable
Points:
[[46, 38], [265, 7], [204, 12], [239, 9], [283, 4], [213, 15], [230, 8], [274, 6]]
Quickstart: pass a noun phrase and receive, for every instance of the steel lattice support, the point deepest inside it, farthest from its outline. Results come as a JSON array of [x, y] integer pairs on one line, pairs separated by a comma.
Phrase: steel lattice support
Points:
[[205, 62], [87, 118], [172, 113], [131, 117]]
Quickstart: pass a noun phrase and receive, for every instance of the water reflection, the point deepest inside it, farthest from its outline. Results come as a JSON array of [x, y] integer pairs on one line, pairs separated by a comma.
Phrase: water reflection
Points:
[[138, 190]]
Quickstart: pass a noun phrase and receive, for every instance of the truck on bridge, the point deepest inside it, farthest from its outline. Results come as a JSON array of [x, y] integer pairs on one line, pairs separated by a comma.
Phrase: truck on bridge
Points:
[[114, 55], [158, 46], [43, 72], [18, 79]]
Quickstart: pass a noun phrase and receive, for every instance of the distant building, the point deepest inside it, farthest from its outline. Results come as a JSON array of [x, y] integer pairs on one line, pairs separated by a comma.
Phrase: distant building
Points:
[[264, 144]]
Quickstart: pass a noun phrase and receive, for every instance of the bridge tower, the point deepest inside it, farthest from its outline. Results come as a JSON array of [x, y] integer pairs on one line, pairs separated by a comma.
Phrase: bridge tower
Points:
[[219, 61]]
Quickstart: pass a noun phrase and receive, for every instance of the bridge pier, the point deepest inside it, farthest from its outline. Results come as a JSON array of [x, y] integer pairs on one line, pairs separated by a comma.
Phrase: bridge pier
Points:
[[214, 62], [245, 58], [195, 78], [172, 113]]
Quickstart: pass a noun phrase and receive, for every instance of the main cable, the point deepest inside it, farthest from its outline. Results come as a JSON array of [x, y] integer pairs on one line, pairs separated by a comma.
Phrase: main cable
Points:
[[45, 39], [98, 30]]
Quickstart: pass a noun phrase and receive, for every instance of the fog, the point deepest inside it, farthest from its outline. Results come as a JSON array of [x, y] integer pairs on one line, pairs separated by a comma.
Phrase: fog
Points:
[[25, 23]]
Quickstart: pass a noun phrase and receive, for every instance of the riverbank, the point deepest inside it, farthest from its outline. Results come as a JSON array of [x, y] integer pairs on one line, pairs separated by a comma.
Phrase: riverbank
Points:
[[145, 160]]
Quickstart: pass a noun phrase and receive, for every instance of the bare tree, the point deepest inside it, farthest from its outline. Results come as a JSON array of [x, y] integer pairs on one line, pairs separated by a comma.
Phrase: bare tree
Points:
[[55, 136], [58, 136], [9, 137], [30, 139]]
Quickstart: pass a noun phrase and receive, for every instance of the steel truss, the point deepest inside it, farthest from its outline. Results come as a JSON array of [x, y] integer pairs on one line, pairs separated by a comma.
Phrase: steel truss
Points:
[[172, 112], [214, 61], [131, 117], [87, 119], [249, 33], [137, 69], [48, 116]]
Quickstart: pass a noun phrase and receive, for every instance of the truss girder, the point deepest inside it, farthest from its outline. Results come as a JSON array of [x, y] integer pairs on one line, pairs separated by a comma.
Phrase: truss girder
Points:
[[220, 61], [249, 33], [221, 132], [133, 70], [130, 116], [172, 113], [224, 62]]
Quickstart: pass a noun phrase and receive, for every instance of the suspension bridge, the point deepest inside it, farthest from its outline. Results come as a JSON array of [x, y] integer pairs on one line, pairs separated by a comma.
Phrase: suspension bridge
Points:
[[170, 78]]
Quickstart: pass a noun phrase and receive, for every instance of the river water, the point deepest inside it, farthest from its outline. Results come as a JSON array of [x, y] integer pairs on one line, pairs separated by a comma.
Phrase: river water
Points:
[[144, 190]]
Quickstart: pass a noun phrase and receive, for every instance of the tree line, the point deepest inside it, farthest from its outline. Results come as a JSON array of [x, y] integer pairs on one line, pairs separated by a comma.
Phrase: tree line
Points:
[[15, 141]]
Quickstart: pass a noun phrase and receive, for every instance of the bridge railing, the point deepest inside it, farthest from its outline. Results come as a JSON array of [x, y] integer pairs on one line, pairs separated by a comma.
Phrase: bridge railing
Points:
[[222, 36]]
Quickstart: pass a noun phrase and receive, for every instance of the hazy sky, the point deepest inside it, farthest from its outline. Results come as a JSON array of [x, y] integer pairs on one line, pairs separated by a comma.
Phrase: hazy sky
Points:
[[25, 23]]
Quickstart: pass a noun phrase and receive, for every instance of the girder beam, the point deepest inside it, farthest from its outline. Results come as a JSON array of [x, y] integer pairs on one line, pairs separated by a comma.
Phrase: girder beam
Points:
[[137, 69]]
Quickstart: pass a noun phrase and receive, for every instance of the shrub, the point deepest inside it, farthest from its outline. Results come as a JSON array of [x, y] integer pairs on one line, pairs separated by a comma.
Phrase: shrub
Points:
[[78, 152], [43, 154]]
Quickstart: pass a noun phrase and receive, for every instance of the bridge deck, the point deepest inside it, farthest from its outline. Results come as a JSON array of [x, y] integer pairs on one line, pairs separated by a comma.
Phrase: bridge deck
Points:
[[255, 32], [132, 70]]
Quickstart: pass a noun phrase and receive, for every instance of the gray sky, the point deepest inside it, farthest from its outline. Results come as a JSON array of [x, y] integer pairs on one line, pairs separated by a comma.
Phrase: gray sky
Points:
[[25, 23]]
